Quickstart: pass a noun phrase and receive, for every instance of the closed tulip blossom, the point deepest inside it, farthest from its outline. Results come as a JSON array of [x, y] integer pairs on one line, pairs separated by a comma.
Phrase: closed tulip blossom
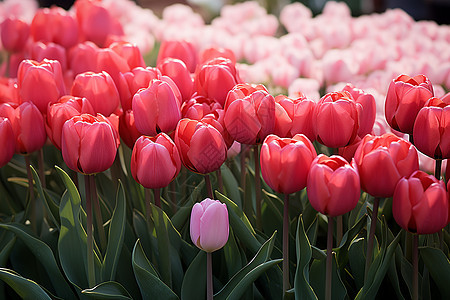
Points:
[[382, 161], [333, 185], [285, 162], [89, 143], [405, 97], [432, 129], [336, 121], [182, 50], [155, 161], [249, 113], [420, 203], [8, 140], [176, 69], [157, 108], [14, 34], [127, 128], [209, 227], [202, 147]]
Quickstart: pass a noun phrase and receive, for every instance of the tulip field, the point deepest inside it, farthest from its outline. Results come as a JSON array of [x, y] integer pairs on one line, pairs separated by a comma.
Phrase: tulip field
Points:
[[247, 156]]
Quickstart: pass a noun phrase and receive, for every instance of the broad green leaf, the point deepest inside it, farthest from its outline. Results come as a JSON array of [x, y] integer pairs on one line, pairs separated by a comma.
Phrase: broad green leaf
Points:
[[356, 256], [349, 236], [44, 254], [261, 257], [194, 282], [149, 283], [6, 250], [317, 276], [50, 206], [106, 291], [232, 255], [162, 235], [25, 288], [181, 217], [231, 185], [439, 267], [115, 237], [303, 289]]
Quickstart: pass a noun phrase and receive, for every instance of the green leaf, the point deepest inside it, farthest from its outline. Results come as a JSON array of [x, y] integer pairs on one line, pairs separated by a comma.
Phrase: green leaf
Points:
[[149, 283], [50, 206], [317, 276], [115, 237], [303, 289], [233, 260], [25, 288], [194, 282], [439, 268], [349, 236], [45, 256], [6, 251], [107, 290], [181, 217], [162, 235], [231, 185], [234, 285], [356, 255]]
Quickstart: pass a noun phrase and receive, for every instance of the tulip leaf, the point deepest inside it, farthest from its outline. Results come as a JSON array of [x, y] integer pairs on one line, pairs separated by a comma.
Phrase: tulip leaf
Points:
[[302, 288], [149, 283], [25, 288], [261, 257], [106, 291], [231, 185], [349, 236], [356, 254], [439, 267], [6, 251], [115, 237], [194, 282], [232, 255], [161, 227], [317, 276], [181, 217], [45, 256]]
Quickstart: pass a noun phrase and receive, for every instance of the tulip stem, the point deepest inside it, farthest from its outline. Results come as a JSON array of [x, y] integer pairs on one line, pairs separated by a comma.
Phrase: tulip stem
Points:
[[286, 244], [243, 169], [148, 200], [90, 240], [329, 261], [209, 281], [373, 225], [98, 213], [220, 180], [31, 204], [208, 187], [437, 169], [157, 195], [257, 188], [415, 282], [41, 168]]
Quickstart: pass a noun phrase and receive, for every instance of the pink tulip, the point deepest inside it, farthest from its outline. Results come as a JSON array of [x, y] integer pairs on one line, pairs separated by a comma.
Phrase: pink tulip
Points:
[[14, 34], [209, 225], [8, 140], [127, 128], [176, 69], [182, 50], [83, 58]]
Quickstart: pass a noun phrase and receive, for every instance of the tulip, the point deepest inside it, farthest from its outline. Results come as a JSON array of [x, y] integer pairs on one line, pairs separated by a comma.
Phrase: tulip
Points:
[[333, 185], [182, 50], [249, 113], [176, 69], [14, 34], [155, 161], [382, 161], [285, 162], [27, 124], [99, 89], [216, 78], [40, 82], [9, 92], [335, 121], [209, 225], [127, 128], [53, 51], [130, 53], [420, 203], [405, 97], [201, 146], [89, 143], [432, 129], [215, 52], [83, 58], [58, 113], [199, 106], [111, 62], [8, 140], [157, 108]]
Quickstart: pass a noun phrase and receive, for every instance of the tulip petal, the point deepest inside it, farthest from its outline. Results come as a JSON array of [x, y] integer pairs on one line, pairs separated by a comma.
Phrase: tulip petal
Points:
[[214, 227]]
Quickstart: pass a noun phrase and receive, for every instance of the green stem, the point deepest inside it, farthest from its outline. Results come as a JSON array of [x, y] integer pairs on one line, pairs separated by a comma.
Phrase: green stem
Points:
[[373, 225], [220, 180], [98, 213], [209, 281], [90, 240], [157, 195], [41, 167], [437, 169], [329, 261], [286, 244], [257, 188], [208, 187], [415, 267], [32, 204]]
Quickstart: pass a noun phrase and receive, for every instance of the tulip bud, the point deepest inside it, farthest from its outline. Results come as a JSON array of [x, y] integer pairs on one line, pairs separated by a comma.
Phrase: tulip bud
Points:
[[333, 185], [420, 203], [285, 162], [209, 226], [182, 50], [14, 34], [127, 128], [8, 140], [176, 69]]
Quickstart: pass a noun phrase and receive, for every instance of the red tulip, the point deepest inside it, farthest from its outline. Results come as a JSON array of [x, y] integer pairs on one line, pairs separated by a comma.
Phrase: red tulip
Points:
[[127, 128], [130, 52], [83, 58], [157, 108], [40, 82], [89, 143], [176, 69], [14, 34], [216, 78], [53, 51], [112, 63], [7, 140], [8, 90], [215, 52], [58, 113], [199, 106], [27, 124], [382, 161], [201, 146], [420, 203], [99, 89], [432, 129], [293, 116], [249, 113], [155, 161], [333, 185], [405, 97], [182, 50], [285, 162], [367, 109], [335, 121]]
